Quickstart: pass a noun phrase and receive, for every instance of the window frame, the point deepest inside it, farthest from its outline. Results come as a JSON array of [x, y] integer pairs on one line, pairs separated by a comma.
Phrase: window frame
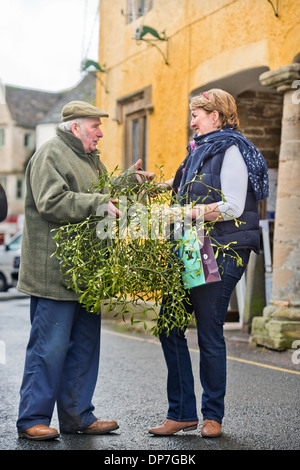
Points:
[[2, 137], [141, 8], [20, 188], [28, 140], [132, 152], [132, 107]]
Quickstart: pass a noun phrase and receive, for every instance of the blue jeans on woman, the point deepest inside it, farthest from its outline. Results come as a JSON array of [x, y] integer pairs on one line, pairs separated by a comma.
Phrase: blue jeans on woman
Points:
[[61, 365], [209, 303]]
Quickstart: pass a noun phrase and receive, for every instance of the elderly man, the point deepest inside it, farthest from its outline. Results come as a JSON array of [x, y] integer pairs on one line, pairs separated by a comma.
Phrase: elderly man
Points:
[[63, 351]]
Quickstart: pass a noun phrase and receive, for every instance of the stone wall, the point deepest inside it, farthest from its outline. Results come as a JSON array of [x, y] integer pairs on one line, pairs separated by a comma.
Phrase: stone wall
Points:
[[260, 121], [260, 116]]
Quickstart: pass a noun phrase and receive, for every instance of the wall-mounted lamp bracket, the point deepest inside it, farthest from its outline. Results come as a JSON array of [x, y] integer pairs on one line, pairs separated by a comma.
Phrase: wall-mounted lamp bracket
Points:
[[87, 63], [274, 9], [157, 37]]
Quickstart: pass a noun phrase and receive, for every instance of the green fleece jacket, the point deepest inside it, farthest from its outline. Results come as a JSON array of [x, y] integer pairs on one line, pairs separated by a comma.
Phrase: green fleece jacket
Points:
[[58, 179]]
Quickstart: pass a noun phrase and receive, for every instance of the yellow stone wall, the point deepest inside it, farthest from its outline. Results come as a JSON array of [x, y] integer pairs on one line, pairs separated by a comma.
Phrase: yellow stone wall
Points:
[[208, 40]]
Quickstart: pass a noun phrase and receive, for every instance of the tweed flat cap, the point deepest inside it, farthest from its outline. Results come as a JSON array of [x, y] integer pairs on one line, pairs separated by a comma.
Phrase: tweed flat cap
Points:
[[80, 109]]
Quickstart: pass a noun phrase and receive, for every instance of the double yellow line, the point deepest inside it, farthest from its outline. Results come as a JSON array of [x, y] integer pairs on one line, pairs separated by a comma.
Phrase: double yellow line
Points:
[[231, 358]]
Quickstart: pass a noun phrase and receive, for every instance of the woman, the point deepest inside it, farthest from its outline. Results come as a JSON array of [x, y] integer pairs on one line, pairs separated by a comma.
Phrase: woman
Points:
[[227, 162]]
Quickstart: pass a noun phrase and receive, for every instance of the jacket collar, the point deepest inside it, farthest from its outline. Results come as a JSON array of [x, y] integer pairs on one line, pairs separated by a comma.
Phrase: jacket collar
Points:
[[74, 143]]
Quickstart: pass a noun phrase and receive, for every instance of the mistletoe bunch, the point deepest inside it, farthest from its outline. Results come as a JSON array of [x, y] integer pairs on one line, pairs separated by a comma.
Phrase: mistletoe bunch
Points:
[[123, 264]]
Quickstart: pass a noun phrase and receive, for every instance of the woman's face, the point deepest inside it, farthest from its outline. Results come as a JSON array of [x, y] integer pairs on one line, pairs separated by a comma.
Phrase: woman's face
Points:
[[203, 122]]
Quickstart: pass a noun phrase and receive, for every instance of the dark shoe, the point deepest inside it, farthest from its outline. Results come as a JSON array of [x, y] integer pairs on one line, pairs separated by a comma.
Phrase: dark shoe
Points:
[[211, 428], [39, 432], [169, 427], [101, 427]]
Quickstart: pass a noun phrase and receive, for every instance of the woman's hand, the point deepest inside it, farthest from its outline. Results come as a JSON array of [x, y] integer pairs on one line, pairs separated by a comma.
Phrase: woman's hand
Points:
[[160, 187], [208, 212]]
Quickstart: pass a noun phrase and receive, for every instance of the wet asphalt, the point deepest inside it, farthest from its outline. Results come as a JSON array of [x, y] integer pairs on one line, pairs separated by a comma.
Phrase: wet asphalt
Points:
[[262, 400]]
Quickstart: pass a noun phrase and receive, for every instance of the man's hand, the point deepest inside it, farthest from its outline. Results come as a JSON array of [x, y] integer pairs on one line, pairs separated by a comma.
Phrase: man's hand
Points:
[[139, 171], [112, 210]]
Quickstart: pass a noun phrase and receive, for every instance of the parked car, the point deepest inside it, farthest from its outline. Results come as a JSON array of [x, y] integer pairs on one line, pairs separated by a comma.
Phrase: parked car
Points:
[[7, 255]]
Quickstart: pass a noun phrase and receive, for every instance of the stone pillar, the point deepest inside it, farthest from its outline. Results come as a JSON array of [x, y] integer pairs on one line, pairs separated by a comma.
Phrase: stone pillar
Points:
[[280, 324], [255, 298]]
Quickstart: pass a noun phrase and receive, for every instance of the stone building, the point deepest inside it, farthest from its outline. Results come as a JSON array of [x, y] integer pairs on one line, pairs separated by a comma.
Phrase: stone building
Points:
[[153, 56], [20, 112], [28, 118]]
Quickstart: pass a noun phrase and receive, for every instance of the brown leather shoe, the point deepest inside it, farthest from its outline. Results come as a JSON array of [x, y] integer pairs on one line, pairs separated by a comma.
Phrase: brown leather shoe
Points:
[[101, 427], [170, 427], [211, 428], [39, 432]]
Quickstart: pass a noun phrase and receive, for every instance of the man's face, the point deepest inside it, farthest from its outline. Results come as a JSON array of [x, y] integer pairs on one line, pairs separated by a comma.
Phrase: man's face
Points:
[[89, 133]]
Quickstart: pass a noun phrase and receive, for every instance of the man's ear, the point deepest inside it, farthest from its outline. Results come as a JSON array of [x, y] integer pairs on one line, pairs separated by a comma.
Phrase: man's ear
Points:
[[75, 129]]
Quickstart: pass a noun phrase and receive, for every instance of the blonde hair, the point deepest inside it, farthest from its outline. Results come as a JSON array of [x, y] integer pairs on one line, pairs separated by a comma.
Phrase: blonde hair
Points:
[[221, 101]]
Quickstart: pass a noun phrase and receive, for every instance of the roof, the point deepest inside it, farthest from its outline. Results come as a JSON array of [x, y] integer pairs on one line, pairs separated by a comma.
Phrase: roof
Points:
[[30, 107], [84, 91]]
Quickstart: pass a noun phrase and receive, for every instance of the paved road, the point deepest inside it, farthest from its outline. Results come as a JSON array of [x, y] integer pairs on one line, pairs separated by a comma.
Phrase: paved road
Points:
[[262, 402]]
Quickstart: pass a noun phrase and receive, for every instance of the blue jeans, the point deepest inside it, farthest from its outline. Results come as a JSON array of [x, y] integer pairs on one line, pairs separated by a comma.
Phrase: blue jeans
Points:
[[61, 365], [210, 304]]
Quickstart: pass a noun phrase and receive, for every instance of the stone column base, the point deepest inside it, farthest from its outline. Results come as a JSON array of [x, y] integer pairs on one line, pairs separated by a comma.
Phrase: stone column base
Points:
[[278, 328]]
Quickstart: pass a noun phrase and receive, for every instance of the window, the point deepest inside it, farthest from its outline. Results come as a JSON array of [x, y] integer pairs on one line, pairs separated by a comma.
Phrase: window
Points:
[[3, 181], [20, 188], [1, 137], [28, 140], [136, 8], [15, 243], [136, 136], [133, 111]]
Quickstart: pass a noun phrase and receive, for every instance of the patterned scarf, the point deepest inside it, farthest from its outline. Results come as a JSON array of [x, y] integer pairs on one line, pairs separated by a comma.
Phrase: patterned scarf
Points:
[[210, 144]]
